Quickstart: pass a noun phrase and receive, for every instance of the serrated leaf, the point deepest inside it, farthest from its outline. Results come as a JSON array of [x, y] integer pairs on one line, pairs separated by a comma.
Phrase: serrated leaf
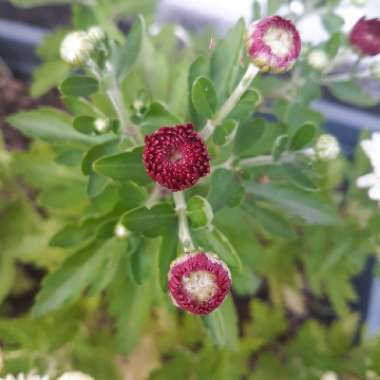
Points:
[[225, 190], [203, 96], [126, 166], [79, 86]]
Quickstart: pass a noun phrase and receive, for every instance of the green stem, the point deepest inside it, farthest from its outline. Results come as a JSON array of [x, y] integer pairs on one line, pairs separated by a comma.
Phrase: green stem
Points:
[[231, 102], [183, 226]]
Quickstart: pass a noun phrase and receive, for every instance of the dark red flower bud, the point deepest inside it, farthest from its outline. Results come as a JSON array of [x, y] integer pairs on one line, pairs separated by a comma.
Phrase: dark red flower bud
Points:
[[198, 282], [365, 36], [176, 157], [273, 44]]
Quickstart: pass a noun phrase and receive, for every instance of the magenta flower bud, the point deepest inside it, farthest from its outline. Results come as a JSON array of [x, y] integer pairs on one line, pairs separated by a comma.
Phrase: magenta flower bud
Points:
[[176, 157], [273, 44], [198, 282], [365, 36]]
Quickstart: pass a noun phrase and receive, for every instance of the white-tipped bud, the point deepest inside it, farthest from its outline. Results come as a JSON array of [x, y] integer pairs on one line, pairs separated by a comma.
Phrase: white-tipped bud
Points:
[[76, 375], [96, 34], [330, 375], [359, 3], [375, 70], [120, 231], [101, 125], [76, 48], [327, 147], [318, 59]]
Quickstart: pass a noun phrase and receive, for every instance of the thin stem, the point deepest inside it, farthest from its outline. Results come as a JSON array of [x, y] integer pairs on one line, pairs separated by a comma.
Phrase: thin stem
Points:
[[345, 77], [231, 102], [154, 196], [183, 226]]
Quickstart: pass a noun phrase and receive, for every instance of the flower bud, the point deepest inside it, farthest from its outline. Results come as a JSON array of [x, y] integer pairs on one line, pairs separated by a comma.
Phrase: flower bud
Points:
[[120, 231], [327, 147], [365, 36], [330, 375], [375, 70], [273, 44], [76, 48], [198, 282], [318, 59], [96, 35], [76, 375], [176, 157], [102, 125]]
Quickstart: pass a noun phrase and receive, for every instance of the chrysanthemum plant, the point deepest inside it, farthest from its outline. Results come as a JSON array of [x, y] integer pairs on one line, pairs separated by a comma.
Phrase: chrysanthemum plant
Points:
[[184, 170]]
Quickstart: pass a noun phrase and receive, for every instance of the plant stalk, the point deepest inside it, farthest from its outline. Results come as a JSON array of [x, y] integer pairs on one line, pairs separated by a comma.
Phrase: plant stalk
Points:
[[183, 226]]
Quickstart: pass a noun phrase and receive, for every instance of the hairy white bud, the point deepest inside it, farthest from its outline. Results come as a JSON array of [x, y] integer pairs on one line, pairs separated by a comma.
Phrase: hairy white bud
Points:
[[375, 70], [318, 59], [76, 375], [96, 34], [102, 125], [330, 375], [327, 147], [76, 48], [120, 231]]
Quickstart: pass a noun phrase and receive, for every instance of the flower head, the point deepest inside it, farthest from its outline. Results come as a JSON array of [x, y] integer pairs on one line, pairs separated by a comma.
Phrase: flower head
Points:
[[318, 59], [327, 147], [76, 375], [273, 44], [76, 48], [96, 34], [176, 157], [365, 36], [198, 282], [372, 180]]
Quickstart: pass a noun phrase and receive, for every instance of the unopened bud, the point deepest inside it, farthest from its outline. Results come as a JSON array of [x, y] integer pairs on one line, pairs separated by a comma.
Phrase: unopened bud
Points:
[[327, 147], [120, 231], [76, 375], [318, 59], [102, 125], [96, 34], [330, 375], [76, 48]]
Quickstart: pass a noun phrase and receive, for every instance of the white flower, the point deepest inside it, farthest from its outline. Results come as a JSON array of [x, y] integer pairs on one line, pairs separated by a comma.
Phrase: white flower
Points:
[[330, 375], [327, 147], [76, 375], [375, 70], [22, 376], [318, 59], [120, 231], [76, 47], [101, 125], [96, 34], [372, 180]]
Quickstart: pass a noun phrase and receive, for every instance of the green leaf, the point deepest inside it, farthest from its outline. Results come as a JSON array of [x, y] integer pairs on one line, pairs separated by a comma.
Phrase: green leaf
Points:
[[311, 207], [303, 136], [150, 222], [225, 61], [215, 241], [132, 195], [126, 56], [167, 253], [51, 126], [248, 135], [215, 326], [66, 284], [351, 92], [126, 166], [130, 305], [199, 212], [333, 44], [280, 146], [96, 152], [225, 190], [203, 96], [225, 132], [157, 116], [143, 259], [272, 222], [79, 86], [72, 234], [84, 124], [332, 22], [246, 106]]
